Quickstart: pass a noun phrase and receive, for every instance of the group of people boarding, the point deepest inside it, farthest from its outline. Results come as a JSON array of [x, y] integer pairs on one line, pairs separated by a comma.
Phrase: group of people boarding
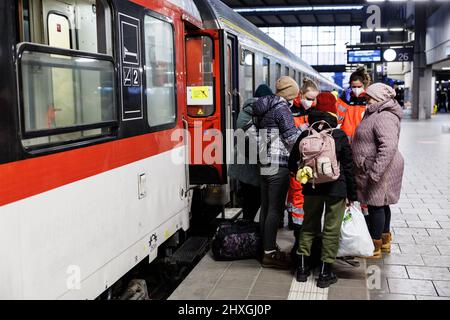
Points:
[[365, 127]]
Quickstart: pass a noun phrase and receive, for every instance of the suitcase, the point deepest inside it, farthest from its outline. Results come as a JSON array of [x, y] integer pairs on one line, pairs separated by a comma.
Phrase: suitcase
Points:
[[236, 240]]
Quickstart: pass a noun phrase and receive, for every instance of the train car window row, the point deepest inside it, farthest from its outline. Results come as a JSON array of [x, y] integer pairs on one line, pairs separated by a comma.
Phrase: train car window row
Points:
[[160, 71], [66, 74]]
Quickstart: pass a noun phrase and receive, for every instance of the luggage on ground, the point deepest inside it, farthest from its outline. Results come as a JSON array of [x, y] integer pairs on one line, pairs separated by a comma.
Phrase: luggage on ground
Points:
[[236, 240]]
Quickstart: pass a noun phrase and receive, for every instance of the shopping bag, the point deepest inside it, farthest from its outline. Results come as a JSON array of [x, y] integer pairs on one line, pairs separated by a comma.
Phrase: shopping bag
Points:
[[355, 239]]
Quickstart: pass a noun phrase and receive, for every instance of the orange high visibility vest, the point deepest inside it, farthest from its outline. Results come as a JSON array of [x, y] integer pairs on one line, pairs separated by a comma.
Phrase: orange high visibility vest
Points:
[[352, 119], [341, 108], [295, 197]]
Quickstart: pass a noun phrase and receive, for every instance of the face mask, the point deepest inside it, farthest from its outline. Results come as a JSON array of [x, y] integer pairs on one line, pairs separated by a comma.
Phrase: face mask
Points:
[[358, 91], [307, 103]]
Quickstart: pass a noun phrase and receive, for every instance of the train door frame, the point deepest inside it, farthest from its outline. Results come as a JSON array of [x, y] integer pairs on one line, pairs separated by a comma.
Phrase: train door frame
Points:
[[210, 173], [233, 96]]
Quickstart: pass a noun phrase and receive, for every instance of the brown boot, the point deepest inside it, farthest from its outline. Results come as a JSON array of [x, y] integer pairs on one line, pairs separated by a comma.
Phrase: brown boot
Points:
[[386, 239], [377, 252]]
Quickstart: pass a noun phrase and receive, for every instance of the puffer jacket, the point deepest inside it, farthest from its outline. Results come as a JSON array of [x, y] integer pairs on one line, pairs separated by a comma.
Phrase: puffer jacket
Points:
[[274, 116], [344, 186], [379, 163]]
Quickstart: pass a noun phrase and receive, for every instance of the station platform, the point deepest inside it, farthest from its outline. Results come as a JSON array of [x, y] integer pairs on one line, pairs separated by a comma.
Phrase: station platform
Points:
[[418, 267]]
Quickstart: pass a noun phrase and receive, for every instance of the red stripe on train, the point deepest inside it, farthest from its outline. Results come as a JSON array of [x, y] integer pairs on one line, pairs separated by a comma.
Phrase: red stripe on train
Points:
[[26, 178]]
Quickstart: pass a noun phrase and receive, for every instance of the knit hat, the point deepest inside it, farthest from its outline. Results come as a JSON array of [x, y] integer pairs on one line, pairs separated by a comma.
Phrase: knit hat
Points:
[[262, 91], [326, 102], [287, 88], [380, 92]]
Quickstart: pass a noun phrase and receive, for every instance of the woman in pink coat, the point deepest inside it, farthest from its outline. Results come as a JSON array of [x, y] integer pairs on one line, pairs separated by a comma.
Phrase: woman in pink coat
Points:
[[379, 164]]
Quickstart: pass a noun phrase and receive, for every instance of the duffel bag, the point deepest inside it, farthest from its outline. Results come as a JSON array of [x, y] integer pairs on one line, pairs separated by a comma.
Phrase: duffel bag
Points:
[[236, 240]]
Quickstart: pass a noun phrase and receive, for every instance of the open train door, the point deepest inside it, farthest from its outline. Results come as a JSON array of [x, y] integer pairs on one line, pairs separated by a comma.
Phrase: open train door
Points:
[[209, 112]]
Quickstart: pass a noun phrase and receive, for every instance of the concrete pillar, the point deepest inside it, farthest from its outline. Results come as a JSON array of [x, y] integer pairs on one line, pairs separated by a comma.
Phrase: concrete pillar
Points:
[[422, 75]]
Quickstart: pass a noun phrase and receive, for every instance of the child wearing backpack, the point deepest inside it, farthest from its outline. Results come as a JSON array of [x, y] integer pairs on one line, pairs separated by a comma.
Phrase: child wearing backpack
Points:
[[322, 160]]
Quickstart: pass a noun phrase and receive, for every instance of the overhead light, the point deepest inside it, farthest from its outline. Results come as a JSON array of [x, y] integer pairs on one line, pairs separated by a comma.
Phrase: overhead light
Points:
[[396, 29], [300, 8], [446, 68], [366, 30], [381, 29], [376, 0]]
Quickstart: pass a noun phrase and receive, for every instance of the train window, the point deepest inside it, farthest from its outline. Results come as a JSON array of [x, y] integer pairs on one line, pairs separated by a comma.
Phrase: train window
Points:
[[65, 94], [249, 74], [199, 68], [286, 71], [84, 25], [278, 70], [266, 71], [294, 75], [159, 71], [67, 87]]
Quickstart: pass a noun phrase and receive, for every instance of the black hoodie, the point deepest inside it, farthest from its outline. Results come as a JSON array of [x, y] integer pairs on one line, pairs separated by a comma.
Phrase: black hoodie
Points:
[[345, 186]]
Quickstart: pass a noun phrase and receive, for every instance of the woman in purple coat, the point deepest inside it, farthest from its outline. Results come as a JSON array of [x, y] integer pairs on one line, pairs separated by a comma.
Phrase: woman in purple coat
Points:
[[379, 164]]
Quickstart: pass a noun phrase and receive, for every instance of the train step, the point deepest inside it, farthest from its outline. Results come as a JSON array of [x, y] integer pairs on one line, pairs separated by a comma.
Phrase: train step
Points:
[[230, 213], [193, 247]]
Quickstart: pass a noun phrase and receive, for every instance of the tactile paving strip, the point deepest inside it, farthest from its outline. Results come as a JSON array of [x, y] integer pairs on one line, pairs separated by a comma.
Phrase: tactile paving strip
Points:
[[307, 290]]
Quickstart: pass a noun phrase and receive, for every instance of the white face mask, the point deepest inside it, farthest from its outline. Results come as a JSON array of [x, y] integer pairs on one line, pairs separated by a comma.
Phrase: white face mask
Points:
[[358, 91], [307, 103]]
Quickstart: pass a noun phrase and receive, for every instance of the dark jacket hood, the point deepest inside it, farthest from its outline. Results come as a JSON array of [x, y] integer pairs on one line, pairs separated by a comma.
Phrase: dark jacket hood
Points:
[[391, 106], [316, 115], [264, 104]]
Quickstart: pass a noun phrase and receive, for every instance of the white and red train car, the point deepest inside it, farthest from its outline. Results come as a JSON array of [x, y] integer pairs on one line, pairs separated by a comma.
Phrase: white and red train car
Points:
[[92, 94]]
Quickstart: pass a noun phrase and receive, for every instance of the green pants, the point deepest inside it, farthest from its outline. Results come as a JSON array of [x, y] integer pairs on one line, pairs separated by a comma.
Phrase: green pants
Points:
[[334, 213]]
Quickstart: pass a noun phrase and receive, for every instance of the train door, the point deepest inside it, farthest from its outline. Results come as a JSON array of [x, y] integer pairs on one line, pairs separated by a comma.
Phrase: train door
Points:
[[204, 107], [233, 97]]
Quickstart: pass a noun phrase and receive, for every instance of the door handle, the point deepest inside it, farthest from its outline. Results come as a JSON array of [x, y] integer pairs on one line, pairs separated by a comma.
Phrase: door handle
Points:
[[186, 156], [237, 93]]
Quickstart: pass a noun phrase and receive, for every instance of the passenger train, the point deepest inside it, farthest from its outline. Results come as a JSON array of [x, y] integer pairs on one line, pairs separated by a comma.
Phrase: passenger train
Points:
[[94, 174]]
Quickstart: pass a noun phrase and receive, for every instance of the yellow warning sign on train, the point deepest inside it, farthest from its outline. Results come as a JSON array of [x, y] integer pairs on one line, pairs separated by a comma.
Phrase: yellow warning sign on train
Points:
[[200, 95]]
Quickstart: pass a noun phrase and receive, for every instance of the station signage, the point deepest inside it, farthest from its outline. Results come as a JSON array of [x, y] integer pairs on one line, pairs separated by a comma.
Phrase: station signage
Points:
[[363, 56], [398, 54]]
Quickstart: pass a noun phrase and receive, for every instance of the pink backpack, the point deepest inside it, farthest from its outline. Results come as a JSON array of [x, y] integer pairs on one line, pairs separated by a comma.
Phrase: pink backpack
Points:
[[318, 151]]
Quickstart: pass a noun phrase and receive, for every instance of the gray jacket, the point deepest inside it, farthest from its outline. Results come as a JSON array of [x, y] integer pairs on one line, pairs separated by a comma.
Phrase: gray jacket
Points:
[[246, 173]]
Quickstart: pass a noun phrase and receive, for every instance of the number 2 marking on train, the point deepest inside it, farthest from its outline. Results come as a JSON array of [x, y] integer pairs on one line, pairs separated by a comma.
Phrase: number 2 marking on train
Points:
[[136, 81]]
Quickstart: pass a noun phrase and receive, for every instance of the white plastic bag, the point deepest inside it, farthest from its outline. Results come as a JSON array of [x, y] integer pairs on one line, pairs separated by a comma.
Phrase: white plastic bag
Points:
[[355, 239]]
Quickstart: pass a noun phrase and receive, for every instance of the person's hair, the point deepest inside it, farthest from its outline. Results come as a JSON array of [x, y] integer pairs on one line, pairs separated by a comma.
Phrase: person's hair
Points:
[[308, 84], [361, 75]]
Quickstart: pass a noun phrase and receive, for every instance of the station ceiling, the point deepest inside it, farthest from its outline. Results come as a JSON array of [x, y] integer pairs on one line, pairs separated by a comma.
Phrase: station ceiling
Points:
[[287, 17]]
